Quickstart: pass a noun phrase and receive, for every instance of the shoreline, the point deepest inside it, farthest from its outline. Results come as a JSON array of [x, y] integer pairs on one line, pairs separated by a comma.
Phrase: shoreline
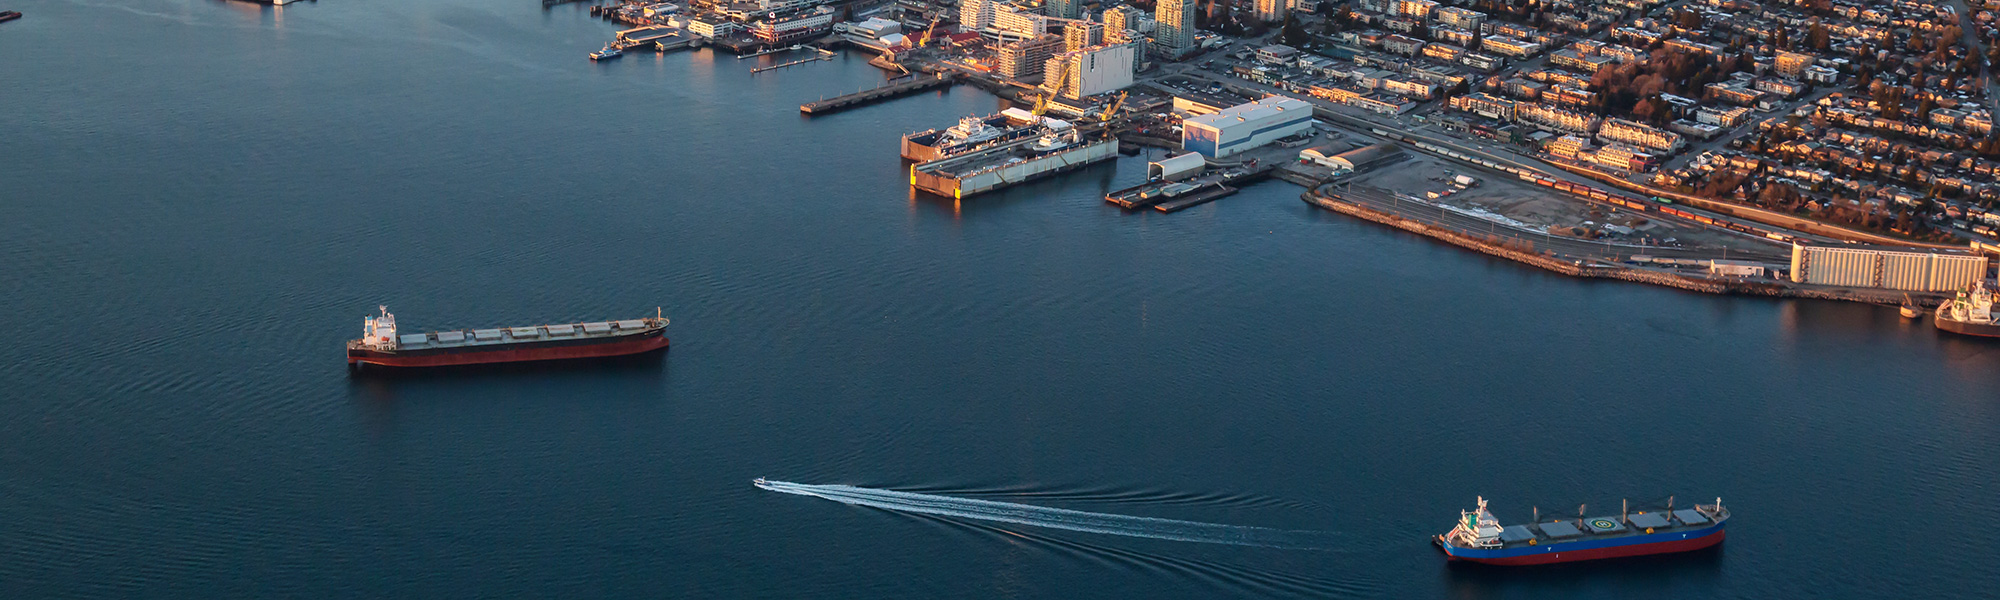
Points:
[[1594, 269]]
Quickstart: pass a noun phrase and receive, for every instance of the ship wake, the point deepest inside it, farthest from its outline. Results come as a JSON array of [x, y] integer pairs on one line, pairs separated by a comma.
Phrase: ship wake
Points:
[[1059, 518]]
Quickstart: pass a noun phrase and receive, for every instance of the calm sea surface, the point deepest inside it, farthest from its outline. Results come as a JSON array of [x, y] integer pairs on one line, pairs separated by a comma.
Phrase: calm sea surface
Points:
[[203, 198]]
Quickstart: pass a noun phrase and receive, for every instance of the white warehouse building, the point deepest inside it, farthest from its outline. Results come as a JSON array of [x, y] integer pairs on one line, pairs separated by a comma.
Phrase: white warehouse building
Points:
[[1896, 268], [1239, 128]]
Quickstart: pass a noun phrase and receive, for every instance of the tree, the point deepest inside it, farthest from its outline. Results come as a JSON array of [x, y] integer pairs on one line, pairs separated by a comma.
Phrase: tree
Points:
[[1816, 37], [1294, 33], [1651, 110], [1688, 20]]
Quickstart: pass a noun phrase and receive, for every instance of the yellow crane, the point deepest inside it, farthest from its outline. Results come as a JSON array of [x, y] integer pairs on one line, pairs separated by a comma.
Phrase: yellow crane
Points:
[[928, 31], [1052, 84], [1112, 108]]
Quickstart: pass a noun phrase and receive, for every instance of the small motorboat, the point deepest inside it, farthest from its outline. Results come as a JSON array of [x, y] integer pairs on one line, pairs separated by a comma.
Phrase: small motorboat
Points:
[[759, 482], [607, 53], [1910, 309]]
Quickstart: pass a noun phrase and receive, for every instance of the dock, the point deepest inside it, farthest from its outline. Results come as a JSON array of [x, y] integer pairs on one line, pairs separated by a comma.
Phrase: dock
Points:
[[989, 169], [884, 92], [1174, 196], [822, 54], [756, 54], [1199, 197], [640, 36]]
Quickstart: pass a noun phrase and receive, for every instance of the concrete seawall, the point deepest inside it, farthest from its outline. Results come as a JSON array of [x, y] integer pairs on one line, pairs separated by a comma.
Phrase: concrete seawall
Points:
[[1591, 269]]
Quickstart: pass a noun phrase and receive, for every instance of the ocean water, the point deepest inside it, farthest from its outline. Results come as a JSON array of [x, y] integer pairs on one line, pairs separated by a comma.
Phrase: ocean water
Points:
[[204, 198]]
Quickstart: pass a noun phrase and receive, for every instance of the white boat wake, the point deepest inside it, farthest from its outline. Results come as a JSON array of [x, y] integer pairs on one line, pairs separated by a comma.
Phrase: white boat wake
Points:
[[1056, 518]]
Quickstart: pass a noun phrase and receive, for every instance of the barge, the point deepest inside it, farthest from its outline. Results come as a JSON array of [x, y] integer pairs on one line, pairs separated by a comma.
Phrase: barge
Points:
[[1480, 538], [381, 345]]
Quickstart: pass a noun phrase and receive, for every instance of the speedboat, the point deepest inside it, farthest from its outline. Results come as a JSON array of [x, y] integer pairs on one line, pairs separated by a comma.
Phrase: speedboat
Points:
[[759, 482]]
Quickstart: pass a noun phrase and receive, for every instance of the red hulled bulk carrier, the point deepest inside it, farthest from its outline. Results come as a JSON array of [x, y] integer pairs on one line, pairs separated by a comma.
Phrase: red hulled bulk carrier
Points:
[[381, 345]]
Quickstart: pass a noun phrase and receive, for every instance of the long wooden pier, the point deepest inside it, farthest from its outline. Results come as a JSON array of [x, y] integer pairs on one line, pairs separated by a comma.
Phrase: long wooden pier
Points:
[[846, 101]]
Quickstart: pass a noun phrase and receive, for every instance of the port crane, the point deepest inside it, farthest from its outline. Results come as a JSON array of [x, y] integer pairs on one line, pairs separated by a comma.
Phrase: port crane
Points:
[[1057, 79], [928, 32], [1112, 108]]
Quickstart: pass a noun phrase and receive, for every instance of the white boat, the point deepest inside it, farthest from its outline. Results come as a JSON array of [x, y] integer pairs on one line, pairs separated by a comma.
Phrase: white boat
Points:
[[608, 52], [1053, 141], [969, 130]]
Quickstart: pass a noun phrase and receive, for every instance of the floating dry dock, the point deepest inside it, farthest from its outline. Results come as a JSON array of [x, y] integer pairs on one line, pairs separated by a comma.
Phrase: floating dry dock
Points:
[[990, 169]]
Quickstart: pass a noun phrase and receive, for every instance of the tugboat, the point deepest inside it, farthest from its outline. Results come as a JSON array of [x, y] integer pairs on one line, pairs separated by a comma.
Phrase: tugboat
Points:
[[1480, 538], [609, 52], [380, 345], [1970, 313], [1910, 309]]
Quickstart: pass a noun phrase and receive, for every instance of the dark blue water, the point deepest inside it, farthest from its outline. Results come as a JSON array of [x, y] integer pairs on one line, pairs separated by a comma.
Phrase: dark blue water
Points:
[[203, 198]]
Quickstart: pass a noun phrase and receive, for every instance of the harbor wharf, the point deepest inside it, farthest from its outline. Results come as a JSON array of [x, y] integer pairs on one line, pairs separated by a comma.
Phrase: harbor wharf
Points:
[[1215, 189], [1594, 267], [876, 94], [665, 36]]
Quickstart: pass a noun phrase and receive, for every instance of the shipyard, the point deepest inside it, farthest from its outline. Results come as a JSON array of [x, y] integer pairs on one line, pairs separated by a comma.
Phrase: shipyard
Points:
[[1089, 83], [1026, 299]]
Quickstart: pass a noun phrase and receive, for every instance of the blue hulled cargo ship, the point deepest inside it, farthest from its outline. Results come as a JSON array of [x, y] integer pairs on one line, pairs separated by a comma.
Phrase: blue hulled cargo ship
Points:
[[1480, 538]]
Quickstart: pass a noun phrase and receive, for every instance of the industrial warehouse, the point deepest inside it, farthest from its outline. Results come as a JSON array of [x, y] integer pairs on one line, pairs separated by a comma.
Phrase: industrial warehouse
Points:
[[1886, 267], [1238, 128]]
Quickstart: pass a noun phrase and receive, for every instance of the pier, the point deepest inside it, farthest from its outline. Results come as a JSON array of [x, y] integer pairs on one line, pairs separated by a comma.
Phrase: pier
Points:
[[1174, 196], [1203, 196], [822, 54], [846, 101], [640, 36]]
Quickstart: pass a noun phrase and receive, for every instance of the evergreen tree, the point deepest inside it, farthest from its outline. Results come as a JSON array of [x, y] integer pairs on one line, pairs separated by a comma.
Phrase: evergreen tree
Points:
[[1294, 33]]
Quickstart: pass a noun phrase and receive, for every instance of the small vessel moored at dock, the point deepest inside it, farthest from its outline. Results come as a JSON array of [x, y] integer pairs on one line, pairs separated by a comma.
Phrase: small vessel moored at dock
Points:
[[1909, 309], [381, 345], [1969, 313], [609, 52], [1480, 538]]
